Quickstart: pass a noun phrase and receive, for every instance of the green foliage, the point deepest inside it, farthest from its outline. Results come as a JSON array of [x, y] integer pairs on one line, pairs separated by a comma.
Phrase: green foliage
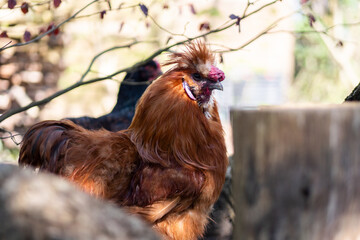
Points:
[[8, 155], [213, 12], [316, 73]]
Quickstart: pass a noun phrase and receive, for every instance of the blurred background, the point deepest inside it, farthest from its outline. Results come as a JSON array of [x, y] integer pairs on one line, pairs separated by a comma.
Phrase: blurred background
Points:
[[290, 51]]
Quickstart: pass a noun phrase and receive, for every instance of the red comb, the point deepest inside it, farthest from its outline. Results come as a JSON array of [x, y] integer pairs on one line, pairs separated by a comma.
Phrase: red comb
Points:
[[216, 74]]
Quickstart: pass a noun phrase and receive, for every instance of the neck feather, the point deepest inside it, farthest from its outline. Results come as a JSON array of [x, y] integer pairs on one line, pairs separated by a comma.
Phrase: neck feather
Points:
[[170, 129]]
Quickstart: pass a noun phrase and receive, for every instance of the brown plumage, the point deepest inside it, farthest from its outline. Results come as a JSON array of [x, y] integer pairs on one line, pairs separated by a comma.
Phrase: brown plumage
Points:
[[168, 166]]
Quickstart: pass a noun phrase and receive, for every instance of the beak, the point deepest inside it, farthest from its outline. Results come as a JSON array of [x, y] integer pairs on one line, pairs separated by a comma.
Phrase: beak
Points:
[[216, 85]]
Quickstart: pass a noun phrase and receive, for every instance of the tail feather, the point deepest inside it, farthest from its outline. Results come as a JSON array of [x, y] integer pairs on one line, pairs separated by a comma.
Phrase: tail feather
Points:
[[44, 145]]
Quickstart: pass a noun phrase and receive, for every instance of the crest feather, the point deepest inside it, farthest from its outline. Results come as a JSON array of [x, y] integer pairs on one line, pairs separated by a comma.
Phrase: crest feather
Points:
[[196, 53]]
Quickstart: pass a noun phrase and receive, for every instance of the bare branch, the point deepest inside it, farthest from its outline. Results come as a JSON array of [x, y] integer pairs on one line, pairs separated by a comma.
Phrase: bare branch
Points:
[[49, 31], [55, 95], [223, 27], [128, 82], [259, 9], [152, 56], [79, 83], [109, 10], [11, 136], [71, 87], [35, 4], [103, 52], [165, 30], [7, 44], [265, 31], [247, 7], [320, 32]]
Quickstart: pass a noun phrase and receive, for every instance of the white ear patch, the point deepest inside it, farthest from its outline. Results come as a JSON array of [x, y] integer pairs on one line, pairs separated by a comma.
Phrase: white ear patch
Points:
[[188, 91]]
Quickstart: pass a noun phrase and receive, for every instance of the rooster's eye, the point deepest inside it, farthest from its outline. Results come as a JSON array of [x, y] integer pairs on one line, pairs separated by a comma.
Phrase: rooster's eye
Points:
[[196, 76]]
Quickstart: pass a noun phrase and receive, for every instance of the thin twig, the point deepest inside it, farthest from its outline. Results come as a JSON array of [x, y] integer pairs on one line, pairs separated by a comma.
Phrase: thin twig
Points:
[[265, 31], [129, 82], [260, 8], [323, 32], [103, 52], [75, 85], [246, 8], [12, 136], [49, 31], [343, 25], [55, 95], [109, 10], [7, 44], [165, 30], [250, 41]]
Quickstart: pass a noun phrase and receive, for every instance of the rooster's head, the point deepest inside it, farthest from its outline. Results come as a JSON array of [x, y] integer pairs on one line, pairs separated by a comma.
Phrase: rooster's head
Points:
[[200, 75]]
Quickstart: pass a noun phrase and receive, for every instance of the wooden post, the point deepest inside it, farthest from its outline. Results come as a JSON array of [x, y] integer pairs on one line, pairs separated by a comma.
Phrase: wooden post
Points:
[[296, 173]]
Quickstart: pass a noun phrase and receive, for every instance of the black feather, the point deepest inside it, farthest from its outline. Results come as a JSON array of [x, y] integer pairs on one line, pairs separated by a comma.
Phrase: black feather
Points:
[[131, 89]]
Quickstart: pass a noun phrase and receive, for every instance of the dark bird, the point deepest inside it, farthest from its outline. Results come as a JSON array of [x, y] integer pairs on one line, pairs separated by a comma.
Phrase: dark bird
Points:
[[131, 89], [168, 167], [354, 95], [222, 216]]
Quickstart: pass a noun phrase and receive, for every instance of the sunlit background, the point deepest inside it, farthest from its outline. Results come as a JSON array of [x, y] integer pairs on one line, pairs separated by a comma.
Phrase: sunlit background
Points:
[[310, 54]]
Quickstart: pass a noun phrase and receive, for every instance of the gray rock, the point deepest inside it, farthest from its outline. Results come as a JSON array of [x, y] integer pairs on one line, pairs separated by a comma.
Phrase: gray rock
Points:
[[42, 206]]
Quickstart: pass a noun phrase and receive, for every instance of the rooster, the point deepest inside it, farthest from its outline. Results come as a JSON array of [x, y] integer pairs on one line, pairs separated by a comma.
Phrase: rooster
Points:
[[131, 89], [168, 167]]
